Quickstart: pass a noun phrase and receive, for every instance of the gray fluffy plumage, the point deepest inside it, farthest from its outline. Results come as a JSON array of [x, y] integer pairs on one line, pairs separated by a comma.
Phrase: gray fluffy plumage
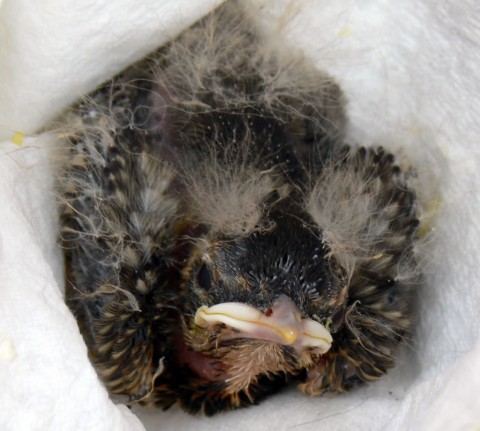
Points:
[[217, 151]]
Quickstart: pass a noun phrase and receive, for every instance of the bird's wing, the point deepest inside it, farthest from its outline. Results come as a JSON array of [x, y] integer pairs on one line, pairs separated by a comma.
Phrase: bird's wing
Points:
[[366, 211], [118, 216]]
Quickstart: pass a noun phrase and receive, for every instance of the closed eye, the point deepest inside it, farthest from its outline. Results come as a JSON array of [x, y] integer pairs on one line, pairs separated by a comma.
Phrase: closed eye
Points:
[[204, 277]]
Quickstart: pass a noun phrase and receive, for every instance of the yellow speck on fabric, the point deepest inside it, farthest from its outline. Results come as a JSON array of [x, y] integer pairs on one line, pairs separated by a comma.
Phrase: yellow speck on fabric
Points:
[[7, 351], [345, 32], [18, 137], [430, 212], [415, 130]]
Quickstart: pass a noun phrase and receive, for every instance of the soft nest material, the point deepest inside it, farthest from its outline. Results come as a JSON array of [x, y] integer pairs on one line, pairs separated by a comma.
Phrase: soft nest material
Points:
[[409, 70]]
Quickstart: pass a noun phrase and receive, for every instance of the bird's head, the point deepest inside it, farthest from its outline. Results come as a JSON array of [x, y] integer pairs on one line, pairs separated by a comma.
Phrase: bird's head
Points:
[[260, 307]]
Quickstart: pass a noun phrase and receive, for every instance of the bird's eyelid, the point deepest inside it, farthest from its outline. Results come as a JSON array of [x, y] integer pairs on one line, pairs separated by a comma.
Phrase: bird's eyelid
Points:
[[204, 277]]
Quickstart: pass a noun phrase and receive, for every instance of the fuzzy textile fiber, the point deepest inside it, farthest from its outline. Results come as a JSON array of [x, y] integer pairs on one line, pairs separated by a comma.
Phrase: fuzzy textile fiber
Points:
[[410, 73]]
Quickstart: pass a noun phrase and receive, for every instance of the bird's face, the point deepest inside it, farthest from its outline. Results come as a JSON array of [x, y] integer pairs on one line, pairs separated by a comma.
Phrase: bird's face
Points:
[[259, 306]]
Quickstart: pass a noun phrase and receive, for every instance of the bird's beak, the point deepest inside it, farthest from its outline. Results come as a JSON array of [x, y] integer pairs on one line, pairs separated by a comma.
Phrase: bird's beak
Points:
[[281, 324]]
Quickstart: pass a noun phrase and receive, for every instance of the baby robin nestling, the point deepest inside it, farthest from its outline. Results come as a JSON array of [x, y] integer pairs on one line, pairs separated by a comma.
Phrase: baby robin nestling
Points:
[[221, 240]]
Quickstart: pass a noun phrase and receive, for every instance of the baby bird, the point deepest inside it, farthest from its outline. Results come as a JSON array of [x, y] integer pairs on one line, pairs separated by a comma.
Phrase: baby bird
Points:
[[220, 239]]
